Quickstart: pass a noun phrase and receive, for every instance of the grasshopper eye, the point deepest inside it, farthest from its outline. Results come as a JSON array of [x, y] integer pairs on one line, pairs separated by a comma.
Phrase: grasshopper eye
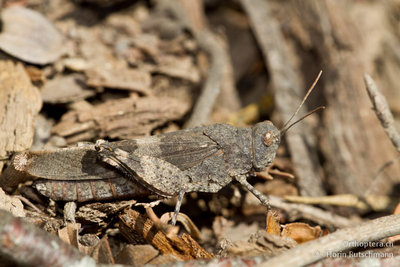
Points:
[[268, 138], [102, 145]]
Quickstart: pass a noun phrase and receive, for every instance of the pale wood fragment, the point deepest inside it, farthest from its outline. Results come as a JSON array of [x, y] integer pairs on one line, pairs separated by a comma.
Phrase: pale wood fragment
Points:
[[64, 89], [120, 118], [127, 79], [20, 101]]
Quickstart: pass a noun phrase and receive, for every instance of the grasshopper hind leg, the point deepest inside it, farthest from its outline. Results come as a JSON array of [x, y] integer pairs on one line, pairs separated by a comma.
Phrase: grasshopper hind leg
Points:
[[178, 205], [264, 199]]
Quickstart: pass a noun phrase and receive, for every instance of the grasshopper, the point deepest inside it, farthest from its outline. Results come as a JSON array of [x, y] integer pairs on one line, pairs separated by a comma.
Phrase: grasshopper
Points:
[[202, 159]]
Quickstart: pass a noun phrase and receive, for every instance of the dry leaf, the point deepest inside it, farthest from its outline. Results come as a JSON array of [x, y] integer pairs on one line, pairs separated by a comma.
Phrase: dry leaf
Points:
[[273, 225], [301, 232]]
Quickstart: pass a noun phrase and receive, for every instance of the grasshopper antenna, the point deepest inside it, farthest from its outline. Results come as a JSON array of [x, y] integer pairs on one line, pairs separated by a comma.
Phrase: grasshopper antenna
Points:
[[287, 126], [283, 131]]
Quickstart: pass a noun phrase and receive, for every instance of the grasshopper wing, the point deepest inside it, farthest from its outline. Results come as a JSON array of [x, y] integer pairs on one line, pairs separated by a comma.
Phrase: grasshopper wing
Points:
[[74, 163], [183, 149]]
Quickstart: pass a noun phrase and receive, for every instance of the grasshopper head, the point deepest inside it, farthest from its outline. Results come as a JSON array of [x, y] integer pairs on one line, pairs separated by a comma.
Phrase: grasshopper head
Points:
[[266, 139]]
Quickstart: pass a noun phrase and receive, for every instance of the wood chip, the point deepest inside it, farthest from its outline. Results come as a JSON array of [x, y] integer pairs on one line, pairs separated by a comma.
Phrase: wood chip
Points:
[[126, 79], [134, 227], [67, 88], [76, 64], [97, 213], [35, 74], [47, 223], [148, 43], [102, 252], [69, 234], [120, 118], [29, 36], [178, 67]]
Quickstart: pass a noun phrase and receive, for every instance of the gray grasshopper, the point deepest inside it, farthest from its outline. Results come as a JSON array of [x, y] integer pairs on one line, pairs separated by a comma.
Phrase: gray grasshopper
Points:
[[203, 159]]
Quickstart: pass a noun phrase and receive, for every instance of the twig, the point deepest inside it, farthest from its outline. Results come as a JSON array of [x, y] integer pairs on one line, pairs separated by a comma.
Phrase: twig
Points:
[[341, 240], [212, 87], [168, 229], [281, 174], [30, 204], [27, 245], [208, 43], [187, 223], [287, 92], [382, 111], [314, 214], [366, 203]]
